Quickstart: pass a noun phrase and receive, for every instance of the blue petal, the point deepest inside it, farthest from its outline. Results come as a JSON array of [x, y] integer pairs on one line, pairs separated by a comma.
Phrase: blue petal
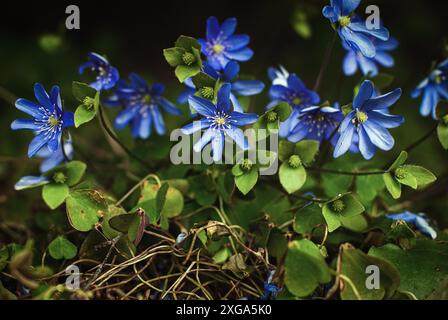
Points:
[[218, 146], [158, 120], [278, 92], [368, 66], [330, 14], [125, 116], [183, 97], [30, 182], [144, 126], [84, 66], [239, 55], [429, 101], [231, 71], [202, 106], [366, 147], [237, 135], [423, 226], [242, 119], [54, 143], [223, 103], [97, 59], [55, 97], [212, 28], [204, 139], [379, 135], [68, 119], [52, 161], [237, 42], [29, 107], [169, 107], [235, 103], [228, 27], [37, 143], [382, 102], [350, 64], [348, 6], [358, 41], [289, 124], [42, 97], [299, 133], [387, 120], [137, 81], [295, 83], [388, 45], [247, 87], [27, 124], [195, 126], [385, 59], [364, 94], [382, 33], [345, 140]]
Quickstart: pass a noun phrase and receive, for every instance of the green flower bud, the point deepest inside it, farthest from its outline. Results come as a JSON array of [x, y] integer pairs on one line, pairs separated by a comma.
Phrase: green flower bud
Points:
[[89, 102], [295, 161], [59, 177], [338, 205], [272, 116], [188, 58], [400, 173], [207, 92], [246, 165]]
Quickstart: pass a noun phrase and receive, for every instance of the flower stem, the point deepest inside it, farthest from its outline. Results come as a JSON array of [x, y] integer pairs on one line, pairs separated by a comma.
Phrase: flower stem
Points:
[[422, 139], [113, 136], [325, 63], [346, 173]]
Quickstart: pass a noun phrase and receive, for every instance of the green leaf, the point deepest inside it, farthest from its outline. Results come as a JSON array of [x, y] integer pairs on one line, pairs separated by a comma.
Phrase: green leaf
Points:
[[112, 211], [54, 194], [184, 72], [75, 171], [222, 255], [408, 179], [332, 218], [247, 181], [354, 264], [392, 185], [442, 134], [422, 268], [305, 268], [174, 203], [187, 43], [174, 56], [81, 91], [307, 150], [292, 179], [369, 186], [61, 248], [237, 170], [123, 222], [84, 207], [202, 80], [285, 150], [307, 218], [301, 25], [423, 176], [383, 80], [344, 206], [161, 198], [399, 161], [283, 109], [84, 114]]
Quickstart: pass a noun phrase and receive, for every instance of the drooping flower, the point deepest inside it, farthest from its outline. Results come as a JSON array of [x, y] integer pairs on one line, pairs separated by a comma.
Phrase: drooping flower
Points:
[[278, 76], [434, 89], [297, 95], [419, 220], [271, 290], [317, 123], [53, 159], [221, 45], [354, 60], [353, 30], [368, 122], [142, 104], [48, 119], [106, 75], [219, 121], [229, 75]]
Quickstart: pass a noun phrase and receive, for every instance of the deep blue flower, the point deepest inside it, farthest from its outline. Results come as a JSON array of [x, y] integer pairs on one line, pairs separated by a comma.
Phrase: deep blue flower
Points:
[[270, 290], [370, 121], [48, 119], [297, 95], [221, 45], [434, 88], [317, 123], [351, 29], [229, 75], [106, 75], [53, 159], [142, 104], [369, 66], [219, 121], [419, 221]]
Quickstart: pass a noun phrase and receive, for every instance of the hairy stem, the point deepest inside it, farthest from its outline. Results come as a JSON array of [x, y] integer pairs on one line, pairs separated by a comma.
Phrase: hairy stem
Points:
[[325, 63]]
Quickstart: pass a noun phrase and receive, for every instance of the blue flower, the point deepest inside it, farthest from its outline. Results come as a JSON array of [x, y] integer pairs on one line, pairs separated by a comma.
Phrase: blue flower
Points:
[[228, 75], [434, 88], [317, 123], [142, 106], [297, 95], [351, 29], [419, 221], [107, 76], [219, 121], [370, 121], [369, 66], [30, 182], [221, 45], [48, 119], [270, 290], [53, 159]]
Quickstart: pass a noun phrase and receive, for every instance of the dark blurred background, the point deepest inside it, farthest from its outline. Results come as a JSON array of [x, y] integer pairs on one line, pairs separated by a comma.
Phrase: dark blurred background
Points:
[[36, 47]]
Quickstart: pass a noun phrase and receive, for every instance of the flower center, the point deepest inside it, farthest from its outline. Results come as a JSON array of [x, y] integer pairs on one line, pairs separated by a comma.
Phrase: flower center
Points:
[[147, 99], [338, 205], [344, 21], [220, 121], [295, 161], [89, 102], [361, 117], [246, 165], [217, 48], [271, 116], [207, 92], [296, 101], [53, 121], [188, 58]]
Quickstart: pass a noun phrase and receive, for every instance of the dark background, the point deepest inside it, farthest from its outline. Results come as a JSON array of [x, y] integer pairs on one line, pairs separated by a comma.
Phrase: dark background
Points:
[[133, 33]]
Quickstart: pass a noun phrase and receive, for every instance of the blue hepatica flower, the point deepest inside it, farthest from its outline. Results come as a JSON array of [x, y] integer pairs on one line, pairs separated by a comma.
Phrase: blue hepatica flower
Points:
[[434, 89], [270, 289], [221, 45], [351, 29], [297, 95], [355, 60], [368, 122], [419, 221], [48, 119], [317, 123], [106, 75], [53, 159], [219, 121], [142, 106], [229, 75]]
